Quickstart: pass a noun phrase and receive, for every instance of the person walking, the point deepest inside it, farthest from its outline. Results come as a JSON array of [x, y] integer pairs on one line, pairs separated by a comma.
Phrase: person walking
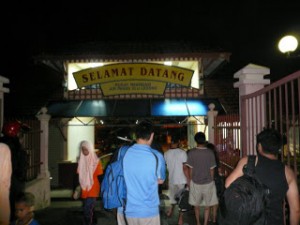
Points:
[[5, 181], [200, 176], [144, 170], [89, 171], [13, 136], [219, 182], [279, 178], [175, 160]]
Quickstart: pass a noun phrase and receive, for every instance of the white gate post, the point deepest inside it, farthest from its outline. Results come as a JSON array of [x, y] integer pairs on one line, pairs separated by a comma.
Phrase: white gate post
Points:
[[251, 79], [44, 145], [211, 115]]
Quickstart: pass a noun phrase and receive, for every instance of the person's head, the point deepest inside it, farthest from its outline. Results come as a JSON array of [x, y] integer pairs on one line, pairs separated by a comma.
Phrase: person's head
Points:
[[86, 147], [24, 204], [145, 131], [200, 138], [175, 141], [269, 141]]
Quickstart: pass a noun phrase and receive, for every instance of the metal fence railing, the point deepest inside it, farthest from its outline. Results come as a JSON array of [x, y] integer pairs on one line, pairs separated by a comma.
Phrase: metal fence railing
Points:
[[276, 106]]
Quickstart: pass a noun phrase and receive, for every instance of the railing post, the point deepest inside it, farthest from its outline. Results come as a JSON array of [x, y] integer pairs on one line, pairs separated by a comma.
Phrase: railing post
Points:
[[251, 79], [211, 115], [44, 146]]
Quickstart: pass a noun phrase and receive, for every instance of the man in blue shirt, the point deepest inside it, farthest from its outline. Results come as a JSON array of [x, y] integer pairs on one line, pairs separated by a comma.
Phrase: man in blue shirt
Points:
[[144, 170]]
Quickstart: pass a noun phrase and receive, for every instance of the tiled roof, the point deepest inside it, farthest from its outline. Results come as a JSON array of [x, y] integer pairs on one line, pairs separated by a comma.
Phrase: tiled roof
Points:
[[33, 95], [212, 59]]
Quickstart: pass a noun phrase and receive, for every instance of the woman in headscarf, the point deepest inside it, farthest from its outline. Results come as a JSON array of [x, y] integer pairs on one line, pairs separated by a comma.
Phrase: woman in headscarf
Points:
[[89, 169], [6, 170]]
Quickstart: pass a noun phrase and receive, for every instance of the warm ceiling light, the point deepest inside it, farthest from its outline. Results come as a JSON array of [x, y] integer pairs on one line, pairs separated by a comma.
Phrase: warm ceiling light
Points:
[[288, 44], [93, 65], [168, 63]]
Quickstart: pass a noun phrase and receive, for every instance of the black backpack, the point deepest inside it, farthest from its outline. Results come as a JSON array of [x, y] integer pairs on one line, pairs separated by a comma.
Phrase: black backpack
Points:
[[245, 201], [182, 198]]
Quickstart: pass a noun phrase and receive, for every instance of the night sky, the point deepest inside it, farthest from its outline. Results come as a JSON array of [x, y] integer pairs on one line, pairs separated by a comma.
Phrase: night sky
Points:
[[250, 30]]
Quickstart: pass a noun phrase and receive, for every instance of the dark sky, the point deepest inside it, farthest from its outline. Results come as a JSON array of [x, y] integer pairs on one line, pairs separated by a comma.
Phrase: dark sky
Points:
[[249, 29]]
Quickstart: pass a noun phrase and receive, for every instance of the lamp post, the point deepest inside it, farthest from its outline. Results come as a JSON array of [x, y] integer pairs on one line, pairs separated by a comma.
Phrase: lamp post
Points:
[[288, 44]]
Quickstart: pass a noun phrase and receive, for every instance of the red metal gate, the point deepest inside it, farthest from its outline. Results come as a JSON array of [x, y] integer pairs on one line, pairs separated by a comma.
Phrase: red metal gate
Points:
[[227, 140]]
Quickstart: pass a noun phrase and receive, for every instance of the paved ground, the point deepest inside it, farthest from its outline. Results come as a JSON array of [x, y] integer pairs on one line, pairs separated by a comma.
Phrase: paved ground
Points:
[[64, 211]]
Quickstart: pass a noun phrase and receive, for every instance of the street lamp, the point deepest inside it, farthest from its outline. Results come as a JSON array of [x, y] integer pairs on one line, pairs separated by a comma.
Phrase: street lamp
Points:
[[288, 44]]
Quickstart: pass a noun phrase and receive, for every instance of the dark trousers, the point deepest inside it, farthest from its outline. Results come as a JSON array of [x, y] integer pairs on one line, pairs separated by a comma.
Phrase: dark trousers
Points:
[[89, 217]]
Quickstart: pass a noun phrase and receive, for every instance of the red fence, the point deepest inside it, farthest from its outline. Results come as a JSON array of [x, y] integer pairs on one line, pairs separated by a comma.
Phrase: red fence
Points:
[[227, 141]]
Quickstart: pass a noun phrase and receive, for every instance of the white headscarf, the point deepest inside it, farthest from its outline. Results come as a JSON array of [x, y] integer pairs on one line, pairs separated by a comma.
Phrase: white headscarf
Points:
[[87, 165], [6, 170]]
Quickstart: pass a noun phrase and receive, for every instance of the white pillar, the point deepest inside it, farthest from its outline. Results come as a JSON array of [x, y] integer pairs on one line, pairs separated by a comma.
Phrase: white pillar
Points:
[[251, 79], [211, 115], [191, 131], [44, 145]]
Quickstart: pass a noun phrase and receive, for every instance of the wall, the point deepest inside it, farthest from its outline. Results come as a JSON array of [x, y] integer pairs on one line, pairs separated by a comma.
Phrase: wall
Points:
[[79, 129], [41, 189], [56, 149]]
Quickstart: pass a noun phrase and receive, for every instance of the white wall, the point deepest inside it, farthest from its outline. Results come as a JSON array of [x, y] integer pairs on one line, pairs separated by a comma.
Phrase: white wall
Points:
[[78, 130]]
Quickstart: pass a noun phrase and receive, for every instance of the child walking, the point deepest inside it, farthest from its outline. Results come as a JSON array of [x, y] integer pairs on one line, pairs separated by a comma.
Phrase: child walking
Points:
[[89, 170]]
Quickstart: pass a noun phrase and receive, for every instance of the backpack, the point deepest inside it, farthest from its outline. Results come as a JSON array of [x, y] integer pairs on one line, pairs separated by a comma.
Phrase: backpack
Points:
[[182, 198], [220, 185], [245, 201], [113, 186]]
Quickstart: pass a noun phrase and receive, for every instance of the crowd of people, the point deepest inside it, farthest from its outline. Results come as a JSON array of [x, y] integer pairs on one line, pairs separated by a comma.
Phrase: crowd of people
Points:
[[145, 170]]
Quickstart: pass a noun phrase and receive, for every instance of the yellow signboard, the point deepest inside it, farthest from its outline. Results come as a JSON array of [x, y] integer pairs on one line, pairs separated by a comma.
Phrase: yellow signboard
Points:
[[133, 87], [128, 78]]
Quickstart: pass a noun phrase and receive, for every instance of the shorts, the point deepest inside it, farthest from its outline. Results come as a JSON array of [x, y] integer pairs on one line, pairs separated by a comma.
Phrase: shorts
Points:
[[138, 221], [203, 194]]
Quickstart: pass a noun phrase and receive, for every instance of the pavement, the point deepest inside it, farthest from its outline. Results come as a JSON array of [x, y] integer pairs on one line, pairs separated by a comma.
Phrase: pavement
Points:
[[64, 211]]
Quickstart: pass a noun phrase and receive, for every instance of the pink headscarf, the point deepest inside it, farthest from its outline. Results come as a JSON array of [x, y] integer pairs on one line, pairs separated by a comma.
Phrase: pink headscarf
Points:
[[6, 170], [87, 165]]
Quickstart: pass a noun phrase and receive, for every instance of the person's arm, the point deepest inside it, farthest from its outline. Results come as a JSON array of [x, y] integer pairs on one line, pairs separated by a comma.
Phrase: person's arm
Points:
[[212, 172], [292, 196], [100, 172], [237, 172], [161, 167], [187, 170]]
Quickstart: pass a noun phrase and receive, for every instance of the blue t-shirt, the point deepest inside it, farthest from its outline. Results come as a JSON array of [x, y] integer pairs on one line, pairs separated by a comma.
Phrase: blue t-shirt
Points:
[[142, 171]]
